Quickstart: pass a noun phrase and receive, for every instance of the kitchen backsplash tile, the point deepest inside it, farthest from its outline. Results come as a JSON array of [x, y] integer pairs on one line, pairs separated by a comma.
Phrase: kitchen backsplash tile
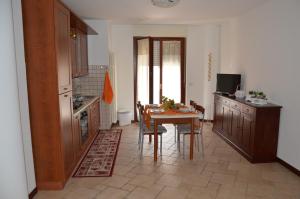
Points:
[[92, 85]]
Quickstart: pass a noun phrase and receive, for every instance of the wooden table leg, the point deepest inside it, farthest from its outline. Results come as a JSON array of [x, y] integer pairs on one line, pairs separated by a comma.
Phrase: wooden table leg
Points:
[[155, 140], [192, 140]]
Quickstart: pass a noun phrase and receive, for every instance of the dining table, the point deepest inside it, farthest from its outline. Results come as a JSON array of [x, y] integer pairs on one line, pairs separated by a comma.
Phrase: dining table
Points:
[[181, 116]]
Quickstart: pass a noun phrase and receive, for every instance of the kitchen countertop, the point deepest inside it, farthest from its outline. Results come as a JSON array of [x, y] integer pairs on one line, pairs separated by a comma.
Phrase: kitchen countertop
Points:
[[86, 102]]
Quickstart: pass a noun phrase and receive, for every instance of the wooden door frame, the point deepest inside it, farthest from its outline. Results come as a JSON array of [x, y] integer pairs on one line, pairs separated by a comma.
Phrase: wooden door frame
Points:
[[182, 60]]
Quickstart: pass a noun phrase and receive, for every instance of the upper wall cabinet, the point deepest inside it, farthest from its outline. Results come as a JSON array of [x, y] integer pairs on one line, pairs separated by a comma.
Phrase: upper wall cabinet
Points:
[[78, 45], [62, 29]]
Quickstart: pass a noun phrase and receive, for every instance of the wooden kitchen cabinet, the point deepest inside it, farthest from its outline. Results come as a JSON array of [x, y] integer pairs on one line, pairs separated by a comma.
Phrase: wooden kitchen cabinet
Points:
[[95, 117], [84, 54], [62, 31], [76, 137], [66, 117], [73, 49], [48, 55], [235, 125], [79, 47], [251, 129], [81, 138], [247, 133]]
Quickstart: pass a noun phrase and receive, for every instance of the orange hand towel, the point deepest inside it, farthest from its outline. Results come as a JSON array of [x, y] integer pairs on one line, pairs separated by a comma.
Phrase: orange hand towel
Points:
[[108, 93]]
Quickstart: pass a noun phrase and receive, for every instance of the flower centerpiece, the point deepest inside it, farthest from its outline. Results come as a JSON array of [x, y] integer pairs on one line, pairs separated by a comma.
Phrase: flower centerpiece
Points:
[[257, 97], [168, 104]]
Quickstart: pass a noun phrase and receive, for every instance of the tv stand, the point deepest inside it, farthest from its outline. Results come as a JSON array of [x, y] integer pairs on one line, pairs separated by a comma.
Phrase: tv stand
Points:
[[251, 129]]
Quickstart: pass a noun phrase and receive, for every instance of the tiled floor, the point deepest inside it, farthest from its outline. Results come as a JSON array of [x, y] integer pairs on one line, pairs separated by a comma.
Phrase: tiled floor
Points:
[[222, 174]]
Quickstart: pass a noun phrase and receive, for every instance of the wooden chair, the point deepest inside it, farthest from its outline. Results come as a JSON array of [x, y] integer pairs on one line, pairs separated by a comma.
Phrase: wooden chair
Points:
[[192, 106], [185, 129], [144, 130]]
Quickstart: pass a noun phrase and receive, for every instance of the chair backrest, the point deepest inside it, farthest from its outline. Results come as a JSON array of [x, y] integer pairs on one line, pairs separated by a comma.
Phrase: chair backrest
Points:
[[141, 114], [192, 103], [200, 109], [138, 105]]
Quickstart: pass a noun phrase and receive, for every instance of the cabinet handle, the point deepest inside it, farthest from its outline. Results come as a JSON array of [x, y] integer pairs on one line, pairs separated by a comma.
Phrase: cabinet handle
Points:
[[66, 95], [65, 88]]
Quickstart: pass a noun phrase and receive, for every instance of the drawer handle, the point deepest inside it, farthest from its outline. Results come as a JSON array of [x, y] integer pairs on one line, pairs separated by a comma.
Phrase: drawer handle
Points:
[[65, 88], [66, 95]]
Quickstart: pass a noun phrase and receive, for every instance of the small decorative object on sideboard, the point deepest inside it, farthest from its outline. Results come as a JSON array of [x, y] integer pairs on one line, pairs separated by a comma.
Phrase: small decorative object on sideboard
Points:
[[257, 97], [240, 94]]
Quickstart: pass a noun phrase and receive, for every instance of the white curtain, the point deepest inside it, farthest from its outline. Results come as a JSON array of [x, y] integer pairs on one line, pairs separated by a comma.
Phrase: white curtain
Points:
[[143, 71], [171, 70]]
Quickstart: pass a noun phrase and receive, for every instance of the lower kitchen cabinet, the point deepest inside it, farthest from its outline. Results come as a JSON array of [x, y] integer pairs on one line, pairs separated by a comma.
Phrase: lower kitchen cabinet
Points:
[[76, 137], [251, 129], [65, 103], [95, 117], [86, 124]]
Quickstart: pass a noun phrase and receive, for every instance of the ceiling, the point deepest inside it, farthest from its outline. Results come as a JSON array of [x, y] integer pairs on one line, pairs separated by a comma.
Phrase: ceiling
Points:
[[143, 12]]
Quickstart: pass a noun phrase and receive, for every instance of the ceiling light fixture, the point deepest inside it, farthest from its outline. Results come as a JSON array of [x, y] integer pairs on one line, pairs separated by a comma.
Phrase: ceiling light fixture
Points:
[[165, 3]]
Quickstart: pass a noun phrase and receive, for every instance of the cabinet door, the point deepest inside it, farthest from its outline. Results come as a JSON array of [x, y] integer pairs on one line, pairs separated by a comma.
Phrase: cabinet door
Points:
[[78, 53], [218, 118], [62, 44], [84, 54], [235, 126], [95, 117], [66, 116], [73, 53], [226, 121], [76, 136], [247, 133]]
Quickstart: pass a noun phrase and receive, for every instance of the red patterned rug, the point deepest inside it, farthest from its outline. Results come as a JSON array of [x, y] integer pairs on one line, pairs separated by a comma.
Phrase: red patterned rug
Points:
[[100, 159]]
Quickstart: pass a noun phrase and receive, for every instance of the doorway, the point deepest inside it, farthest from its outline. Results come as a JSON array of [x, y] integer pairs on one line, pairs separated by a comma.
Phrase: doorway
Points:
[[159, 69]]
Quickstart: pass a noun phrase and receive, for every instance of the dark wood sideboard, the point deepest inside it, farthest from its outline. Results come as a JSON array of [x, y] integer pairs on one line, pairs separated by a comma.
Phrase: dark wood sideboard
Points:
[[251, 129]]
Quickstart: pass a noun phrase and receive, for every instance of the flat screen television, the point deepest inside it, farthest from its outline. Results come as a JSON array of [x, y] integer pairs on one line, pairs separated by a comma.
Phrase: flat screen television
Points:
[[228, 83]]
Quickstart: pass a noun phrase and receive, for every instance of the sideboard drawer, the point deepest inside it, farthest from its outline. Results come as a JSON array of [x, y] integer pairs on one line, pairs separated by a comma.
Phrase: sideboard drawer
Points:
[[248, 110], [226, 102], [235, 105]]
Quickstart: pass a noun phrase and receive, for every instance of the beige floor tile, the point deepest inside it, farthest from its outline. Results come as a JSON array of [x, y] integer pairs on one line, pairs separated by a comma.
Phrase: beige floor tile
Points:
[[112, 193], [51, 194], [172, 193], [143, 180], [170, 180], [117, 181], [196, 180], [145, 193], [260, 189], [223, 178], [81, 193], [128, 187], [221, 174]]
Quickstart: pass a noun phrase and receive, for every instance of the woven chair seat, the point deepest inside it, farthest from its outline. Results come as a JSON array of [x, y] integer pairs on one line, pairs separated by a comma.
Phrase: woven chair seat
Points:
[[160, 129]]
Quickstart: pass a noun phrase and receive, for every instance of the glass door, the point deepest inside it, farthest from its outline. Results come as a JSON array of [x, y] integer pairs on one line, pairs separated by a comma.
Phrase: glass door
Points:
[[159, 69], [143, 70], [171, 70]]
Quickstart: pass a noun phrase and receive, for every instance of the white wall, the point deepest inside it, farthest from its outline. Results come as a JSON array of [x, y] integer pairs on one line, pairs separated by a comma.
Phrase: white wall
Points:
[[265, 46], [98, 51], [195, 43], [23, 96], [12, 168], [122, 48], [211, 46]]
